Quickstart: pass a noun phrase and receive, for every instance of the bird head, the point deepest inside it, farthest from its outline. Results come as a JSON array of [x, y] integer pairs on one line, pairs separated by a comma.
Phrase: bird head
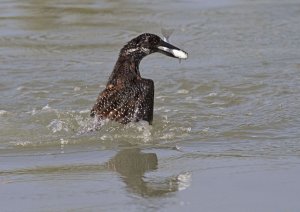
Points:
[[147, 43]]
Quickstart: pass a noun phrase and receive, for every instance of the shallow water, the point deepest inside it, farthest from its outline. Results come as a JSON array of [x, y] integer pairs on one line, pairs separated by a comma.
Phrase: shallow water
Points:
[[225, 135]]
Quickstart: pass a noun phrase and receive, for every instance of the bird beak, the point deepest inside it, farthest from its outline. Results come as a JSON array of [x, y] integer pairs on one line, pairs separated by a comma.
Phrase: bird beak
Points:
[[171, 51]]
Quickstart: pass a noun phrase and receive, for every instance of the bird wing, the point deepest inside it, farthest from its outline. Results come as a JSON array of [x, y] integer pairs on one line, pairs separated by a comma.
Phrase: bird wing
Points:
[[127, 103]]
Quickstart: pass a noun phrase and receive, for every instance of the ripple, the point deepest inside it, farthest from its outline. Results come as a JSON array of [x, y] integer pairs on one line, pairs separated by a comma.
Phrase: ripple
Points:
[[238, 84], [3, 112]]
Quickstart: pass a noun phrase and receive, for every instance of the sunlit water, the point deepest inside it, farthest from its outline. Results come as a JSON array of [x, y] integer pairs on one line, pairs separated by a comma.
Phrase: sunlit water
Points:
[[225, 135]]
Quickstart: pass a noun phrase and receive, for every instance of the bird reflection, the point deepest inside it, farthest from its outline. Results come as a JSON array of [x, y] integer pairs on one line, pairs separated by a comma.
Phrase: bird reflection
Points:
[[132, 164]]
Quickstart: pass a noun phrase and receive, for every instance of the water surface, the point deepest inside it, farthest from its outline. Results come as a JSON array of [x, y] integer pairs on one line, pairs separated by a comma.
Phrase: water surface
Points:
[[225, 135]]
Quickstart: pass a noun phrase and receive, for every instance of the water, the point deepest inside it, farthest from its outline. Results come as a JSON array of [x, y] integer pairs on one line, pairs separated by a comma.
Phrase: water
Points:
[[225, 135]]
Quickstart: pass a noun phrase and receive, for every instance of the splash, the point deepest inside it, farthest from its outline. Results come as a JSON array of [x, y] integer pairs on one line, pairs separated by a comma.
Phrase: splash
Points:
[[177, 53], [144, 130], [57, 126], [166, 34], [89, 124], [21, 143], [76, 126], [62, 145], [184, 180]]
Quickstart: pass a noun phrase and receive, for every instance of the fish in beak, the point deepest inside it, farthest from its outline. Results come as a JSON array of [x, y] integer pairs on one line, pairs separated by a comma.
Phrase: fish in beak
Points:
[[168, 49]]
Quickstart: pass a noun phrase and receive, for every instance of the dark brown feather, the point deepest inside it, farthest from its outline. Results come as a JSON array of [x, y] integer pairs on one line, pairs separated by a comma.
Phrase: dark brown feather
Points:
[[127, 96]]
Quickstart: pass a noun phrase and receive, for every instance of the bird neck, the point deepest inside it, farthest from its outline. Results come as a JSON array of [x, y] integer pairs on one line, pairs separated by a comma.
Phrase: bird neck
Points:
[[125, 70]]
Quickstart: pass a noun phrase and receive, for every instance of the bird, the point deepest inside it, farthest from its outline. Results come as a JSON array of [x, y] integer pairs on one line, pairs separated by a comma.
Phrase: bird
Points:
[[127, 96]]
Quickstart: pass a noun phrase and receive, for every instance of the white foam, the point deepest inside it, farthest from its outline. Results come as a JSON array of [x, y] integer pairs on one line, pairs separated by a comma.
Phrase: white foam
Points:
[[183, 91], [3, 112], [213, 94], [47, 107], [184, 181], [33, 112], [57, 126], [89, 125], [63, 142], [143, 126], [20, 88], [77, 88], [62, 145], [21, 143], [84, 111]]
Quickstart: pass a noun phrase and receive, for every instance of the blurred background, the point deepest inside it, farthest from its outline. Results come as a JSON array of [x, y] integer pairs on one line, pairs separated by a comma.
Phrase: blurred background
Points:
[[225, 135]]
